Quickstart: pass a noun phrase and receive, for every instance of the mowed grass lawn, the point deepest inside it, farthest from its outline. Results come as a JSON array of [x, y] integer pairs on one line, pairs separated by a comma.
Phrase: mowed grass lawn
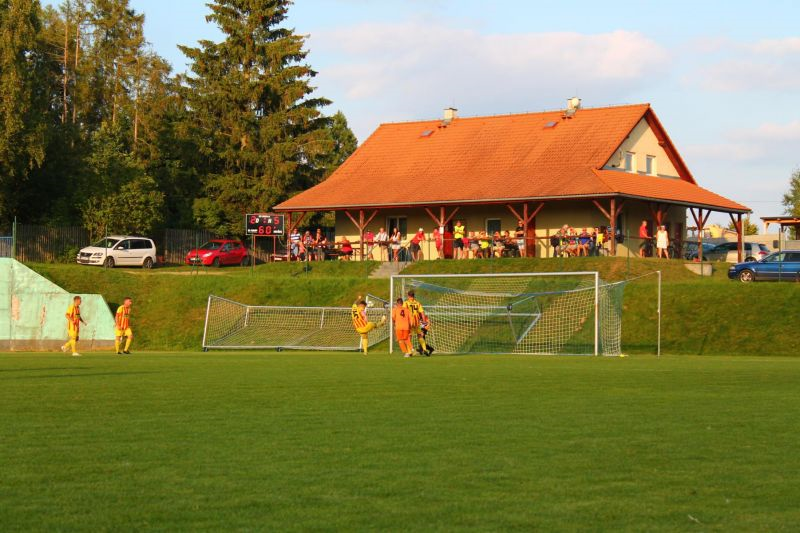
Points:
[[289, 441]]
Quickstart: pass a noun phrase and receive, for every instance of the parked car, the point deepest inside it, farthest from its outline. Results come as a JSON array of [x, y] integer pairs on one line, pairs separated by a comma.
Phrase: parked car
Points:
[[779, 266], [729, 251], [218, 252], [120, 250], [691, 250]]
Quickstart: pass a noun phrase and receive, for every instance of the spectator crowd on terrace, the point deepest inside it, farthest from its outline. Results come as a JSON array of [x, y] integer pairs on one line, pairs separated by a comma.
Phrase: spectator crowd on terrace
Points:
[[457, 242]]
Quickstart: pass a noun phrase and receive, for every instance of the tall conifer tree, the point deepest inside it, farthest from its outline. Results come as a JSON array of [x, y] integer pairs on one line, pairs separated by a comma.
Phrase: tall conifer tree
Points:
[[252, 112]]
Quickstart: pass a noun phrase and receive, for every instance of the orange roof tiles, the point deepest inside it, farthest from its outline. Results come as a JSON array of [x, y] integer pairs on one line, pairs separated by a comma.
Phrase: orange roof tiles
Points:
[[495, 158]]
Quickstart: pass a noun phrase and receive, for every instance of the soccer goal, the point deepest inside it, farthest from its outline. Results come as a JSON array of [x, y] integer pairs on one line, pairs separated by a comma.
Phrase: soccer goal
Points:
[[234, 325], [574, 313]]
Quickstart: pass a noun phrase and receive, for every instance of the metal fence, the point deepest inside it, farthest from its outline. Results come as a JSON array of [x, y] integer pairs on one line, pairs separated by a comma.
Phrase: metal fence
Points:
[[45, 244], [6, 246]]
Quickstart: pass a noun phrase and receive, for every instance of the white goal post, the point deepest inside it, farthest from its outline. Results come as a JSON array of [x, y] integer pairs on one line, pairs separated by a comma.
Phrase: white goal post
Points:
[[233, 325], [573, 313]]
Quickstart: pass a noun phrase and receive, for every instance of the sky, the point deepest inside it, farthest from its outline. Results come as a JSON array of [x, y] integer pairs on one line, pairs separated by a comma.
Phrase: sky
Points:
[[723, 76]]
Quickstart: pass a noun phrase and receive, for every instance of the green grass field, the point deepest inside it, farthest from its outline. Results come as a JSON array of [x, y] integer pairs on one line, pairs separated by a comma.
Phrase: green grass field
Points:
[[295, 441]]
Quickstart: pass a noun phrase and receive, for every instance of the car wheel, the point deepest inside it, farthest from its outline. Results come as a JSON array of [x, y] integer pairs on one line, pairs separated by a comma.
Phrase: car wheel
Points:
[[109, 262], [746, 276], [749, 259], [245, 261], [148, 263], [216, 263]]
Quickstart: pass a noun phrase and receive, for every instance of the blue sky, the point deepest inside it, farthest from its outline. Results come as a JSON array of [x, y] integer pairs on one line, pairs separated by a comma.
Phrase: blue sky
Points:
[[722, 75]]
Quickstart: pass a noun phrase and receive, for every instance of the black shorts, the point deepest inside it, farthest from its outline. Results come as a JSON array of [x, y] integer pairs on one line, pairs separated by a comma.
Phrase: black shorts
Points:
[[414, 247], [458, 243]]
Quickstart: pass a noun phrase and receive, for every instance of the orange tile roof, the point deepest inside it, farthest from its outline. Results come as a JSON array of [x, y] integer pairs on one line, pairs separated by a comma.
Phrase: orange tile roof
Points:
[[484, 159]]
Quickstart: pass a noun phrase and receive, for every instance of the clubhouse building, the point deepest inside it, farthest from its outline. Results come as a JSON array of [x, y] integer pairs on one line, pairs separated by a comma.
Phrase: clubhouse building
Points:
[[610, 167]]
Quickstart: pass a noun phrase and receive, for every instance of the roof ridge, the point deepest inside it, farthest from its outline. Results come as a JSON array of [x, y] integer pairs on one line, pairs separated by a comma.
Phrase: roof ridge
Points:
[[515, 114]]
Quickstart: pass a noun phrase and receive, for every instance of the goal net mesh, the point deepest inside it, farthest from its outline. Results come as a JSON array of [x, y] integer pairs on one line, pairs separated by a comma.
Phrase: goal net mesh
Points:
[[234, 325], [524, 314]]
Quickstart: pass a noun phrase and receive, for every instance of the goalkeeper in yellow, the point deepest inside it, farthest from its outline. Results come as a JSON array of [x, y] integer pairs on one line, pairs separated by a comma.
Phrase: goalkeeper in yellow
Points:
[[362, 325], [417, 316], [74, 320], [122, 327]]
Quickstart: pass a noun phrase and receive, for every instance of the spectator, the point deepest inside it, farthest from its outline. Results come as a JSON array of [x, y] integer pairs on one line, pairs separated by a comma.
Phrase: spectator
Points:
[[555, 242], [600, 242], [320, 245], [369, 242], [346, 248], [294, 248], [438, 234], [583, 242], [474, 245], [458, 241], [498, 244], [519, 235], [308, 245], [510, 246], [382, 240], [644, 237], [572, 243], [662, 242], [395, 241], [416, 242], [484, 241]]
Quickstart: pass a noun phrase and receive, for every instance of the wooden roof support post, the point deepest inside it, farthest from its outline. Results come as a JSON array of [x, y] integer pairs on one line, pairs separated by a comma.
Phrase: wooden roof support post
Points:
[[527, 217], [361, 224], [737, 223], [700, 221], [443, 217]]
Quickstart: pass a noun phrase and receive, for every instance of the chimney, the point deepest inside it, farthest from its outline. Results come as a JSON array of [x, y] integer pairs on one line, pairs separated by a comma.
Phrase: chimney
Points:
[[573, 104], [449, 115]]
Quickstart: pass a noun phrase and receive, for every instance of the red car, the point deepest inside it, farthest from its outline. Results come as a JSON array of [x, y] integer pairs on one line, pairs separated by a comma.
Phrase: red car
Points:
[[218, 252]]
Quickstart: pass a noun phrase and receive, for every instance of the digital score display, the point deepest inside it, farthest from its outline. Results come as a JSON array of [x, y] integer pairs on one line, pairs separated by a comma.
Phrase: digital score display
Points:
[[265, 224]]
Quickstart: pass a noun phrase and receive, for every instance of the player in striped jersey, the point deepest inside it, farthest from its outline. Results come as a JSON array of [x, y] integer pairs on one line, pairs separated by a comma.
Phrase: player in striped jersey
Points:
[[362, 325], [122, 327], [417, 316], [74, 320]]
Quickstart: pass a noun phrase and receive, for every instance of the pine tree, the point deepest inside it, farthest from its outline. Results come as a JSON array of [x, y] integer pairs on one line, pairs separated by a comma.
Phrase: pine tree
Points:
[[24, 100], [252, 112]]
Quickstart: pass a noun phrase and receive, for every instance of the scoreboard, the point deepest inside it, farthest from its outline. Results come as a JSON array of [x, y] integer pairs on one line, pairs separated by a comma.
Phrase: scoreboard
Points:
[[264, 224]]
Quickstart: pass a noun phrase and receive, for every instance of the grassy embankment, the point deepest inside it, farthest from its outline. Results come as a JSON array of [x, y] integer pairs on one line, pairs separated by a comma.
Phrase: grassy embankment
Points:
[[705, 316]]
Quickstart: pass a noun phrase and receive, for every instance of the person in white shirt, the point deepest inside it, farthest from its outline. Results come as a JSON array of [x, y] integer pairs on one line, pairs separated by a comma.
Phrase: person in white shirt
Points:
[[294, 249], [382, 240], [662, 242]]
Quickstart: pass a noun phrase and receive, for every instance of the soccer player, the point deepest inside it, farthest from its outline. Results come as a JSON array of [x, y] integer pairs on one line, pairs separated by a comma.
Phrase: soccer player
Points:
[[402, 327], [73, 326], [122, 327], [362, 325], [417, 313]]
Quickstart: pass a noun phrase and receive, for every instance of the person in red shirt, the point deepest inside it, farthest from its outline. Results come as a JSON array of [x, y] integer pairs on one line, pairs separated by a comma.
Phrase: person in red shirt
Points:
[[644, 238], [437, 238], [347, 248], [416, 242]]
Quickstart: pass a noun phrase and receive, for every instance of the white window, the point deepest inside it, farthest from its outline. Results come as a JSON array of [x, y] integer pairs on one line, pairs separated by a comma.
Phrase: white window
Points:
[[651, 165], [630, 162]]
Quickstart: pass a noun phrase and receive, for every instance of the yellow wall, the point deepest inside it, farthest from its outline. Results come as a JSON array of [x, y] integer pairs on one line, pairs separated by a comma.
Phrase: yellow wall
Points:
[[578, 214], [642, 142]]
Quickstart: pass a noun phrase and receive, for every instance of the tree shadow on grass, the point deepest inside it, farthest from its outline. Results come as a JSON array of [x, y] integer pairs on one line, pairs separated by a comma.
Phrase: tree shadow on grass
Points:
[[45, 369], [95, 374]]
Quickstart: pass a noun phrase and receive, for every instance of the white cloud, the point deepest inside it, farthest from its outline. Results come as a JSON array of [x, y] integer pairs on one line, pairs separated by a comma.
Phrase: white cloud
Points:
[[411, 69], [765, 65], [770, 141]]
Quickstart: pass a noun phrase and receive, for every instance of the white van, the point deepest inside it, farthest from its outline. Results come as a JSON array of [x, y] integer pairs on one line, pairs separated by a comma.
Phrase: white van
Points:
[[119, 250]]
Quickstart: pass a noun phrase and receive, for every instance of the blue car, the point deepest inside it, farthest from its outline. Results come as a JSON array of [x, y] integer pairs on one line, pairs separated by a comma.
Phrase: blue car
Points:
[[778, 266]]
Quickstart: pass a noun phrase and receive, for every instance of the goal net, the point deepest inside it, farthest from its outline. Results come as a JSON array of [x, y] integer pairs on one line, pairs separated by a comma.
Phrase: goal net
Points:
[[533, 313], [234, 325]]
